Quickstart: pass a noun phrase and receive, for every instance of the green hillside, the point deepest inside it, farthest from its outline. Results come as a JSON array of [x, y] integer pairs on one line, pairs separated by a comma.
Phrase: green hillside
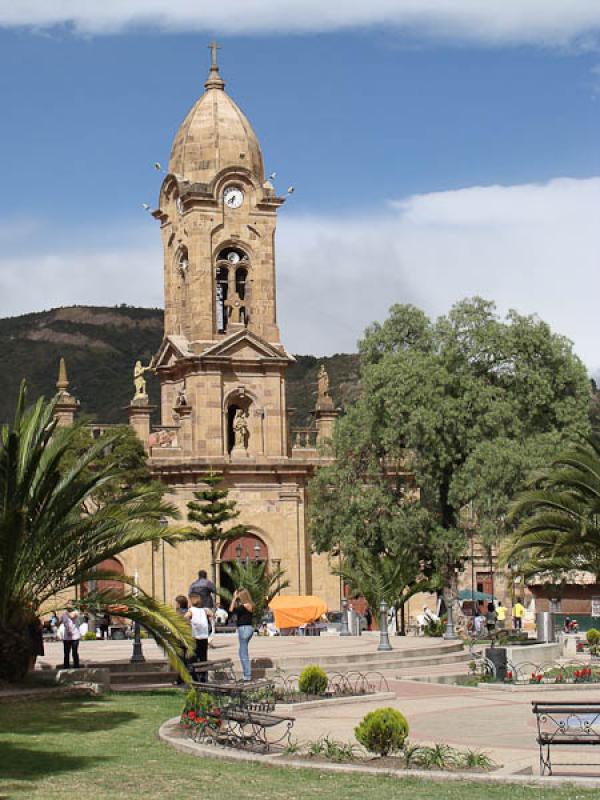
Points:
[[101, 345]]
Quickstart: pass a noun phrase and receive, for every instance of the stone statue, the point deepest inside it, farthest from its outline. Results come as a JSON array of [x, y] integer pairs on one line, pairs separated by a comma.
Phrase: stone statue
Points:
[[181, 398], [322, 383], [138, 379], [240, 430]]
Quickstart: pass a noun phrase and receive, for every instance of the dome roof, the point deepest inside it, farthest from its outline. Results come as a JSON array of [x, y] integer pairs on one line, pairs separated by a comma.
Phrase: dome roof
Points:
[[215, 135]]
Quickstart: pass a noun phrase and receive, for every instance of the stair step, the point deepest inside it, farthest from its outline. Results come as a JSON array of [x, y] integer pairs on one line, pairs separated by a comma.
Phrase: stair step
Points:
[[134, 678]]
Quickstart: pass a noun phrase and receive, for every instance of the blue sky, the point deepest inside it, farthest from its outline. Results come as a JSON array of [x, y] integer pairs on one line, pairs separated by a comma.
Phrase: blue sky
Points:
[[466, 160]]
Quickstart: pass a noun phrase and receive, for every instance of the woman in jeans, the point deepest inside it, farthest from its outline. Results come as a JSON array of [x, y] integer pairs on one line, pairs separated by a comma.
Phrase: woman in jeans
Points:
[[244, 608]]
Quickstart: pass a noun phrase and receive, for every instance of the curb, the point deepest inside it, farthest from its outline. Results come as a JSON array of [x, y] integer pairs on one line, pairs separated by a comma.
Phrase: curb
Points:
[[227, 754], [376, 697]]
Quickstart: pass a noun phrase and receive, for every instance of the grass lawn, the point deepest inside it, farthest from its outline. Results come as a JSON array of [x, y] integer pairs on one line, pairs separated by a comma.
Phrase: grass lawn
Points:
[[109, 748]]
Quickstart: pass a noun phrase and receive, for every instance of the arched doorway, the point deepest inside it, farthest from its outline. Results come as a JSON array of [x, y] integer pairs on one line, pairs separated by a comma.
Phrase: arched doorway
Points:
[[243, 548], [108, 565]]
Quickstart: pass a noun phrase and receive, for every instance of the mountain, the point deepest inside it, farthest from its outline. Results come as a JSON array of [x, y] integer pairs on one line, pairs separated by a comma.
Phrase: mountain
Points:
[[101, 346]]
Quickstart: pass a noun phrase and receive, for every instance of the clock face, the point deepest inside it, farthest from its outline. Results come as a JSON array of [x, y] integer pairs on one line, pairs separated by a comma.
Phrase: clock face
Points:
[[233, 197]]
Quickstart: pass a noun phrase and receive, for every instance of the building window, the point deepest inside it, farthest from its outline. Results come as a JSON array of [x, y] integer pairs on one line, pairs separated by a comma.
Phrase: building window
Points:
[[221, 298]]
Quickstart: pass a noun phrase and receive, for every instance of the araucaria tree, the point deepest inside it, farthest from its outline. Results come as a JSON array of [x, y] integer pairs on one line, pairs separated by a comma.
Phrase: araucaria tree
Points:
[[466, 405], [54, 531], [211, 510]]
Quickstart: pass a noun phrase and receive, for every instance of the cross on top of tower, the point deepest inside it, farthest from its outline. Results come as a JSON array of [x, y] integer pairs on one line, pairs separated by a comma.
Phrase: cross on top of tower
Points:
[[214, 79], [213, 46]]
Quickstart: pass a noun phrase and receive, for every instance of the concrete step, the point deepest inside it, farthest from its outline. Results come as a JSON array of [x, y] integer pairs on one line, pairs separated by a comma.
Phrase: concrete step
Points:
[[127, 666], [384, 663], [141, 678], [349, 661]]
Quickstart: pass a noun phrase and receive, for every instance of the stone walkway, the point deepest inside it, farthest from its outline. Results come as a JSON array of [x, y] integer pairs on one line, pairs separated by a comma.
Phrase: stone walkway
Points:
[[497, 722]]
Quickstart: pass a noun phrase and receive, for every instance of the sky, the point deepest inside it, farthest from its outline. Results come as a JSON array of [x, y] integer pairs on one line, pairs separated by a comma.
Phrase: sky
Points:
[[438, 148]]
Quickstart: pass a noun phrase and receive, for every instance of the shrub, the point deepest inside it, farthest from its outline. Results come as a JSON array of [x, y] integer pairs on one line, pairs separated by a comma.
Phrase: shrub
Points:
[[89, 637], [313, 680], [593, 637], [382, 731]]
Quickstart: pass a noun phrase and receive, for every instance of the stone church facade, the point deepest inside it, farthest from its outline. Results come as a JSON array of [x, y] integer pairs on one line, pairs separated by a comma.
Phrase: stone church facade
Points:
[[222, 365]]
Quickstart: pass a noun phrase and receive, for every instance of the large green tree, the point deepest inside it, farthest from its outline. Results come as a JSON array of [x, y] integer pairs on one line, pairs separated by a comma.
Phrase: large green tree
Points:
[[54, 533], [468, 404]]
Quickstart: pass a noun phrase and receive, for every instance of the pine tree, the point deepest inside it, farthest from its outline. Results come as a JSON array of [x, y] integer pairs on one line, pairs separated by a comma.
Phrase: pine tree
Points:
[[211, 510]]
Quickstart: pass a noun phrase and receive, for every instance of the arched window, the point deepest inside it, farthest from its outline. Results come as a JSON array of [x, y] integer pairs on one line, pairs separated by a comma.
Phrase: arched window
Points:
[[232, 265], [183, 261], [221, 299]]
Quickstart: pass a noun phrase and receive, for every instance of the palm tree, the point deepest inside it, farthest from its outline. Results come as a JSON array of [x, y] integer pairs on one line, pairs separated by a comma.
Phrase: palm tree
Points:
[[53, 534], [558, 521], [381, 577], [256, 577]]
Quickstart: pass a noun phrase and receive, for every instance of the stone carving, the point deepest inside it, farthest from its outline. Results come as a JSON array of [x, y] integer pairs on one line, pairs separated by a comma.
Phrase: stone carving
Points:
[[240, 430], [181, 398], [138, 379]]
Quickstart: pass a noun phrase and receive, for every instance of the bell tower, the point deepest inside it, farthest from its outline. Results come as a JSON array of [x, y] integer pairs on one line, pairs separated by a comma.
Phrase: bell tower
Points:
[[218, 217], [221, 364]]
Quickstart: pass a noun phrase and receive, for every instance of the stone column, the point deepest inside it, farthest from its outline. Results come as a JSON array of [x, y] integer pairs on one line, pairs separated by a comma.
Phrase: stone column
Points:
[[140, 411]]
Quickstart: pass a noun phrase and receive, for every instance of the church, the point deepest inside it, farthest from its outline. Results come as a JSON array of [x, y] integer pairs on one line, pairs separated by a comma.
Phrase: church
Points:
[[222, 364]]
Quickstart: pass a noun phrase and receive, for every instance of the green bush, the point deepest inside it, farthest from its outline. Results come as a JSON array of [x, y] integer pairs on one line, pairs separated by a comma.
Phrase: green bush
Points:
[[593, 637], [89, 636], [313, 680], [382, 731]]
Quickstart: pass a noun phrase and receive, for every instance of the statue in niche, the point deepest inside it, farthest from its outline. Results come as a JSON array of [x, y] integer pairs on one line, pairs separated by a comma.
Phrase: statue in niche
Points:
[[322, 383], [240, 430], [181, 398], [138, 379]]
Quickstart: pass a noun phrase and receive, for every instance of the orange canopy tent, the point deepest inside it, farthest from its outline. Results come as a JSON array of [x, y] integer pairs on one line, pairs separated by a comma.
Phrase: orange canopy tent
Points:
[[292, 610]]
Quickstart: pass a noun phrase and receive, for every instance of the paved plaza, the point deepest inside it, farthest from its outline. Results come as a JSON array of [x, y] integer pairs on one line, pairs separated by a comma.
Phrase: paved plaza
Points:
[[496, 721]]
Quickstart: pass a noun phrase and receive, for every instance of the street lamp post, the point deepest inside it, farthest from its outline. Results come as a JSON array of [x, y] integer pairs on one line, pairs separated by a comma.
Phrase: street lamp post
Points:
[[163, 522], [137, 655], [384, 639], [256, 551], [449, 633], [344, 630]]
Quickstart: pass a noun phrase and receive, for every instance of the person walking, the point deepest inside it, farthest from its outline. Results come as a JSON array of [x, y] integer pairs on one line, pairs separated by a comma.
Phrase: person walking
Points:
[[204, 589], [71, 637], [518, 612], [491, 618], [244, 609], [202, 622]]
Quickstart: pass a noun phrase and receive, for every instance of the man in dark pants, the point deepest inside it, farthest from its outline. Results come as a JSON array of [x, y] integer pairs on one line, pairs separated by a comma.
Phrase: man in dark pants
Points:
[[205, 589], [71, 637]]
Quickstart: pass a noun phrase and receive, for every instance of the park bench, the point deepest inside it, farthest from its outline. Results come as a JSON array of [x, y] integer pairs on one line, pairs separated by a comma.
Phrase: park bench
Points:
[[244, 714], [569, 724]]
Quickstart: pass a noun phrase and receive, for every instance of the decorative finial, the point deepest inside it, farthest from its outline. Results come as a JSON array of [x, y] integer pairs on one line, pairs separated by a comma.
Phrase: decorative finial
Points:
[[214, 79], [62, 384]]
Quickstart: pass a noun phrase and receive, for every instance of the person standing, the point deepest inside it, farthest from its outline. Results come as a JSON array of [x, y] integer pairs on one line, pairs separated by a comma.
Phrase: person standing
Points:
[[202, 622], [501, 615], [204, 589], [244, 609], [71, 637], [518, 612]]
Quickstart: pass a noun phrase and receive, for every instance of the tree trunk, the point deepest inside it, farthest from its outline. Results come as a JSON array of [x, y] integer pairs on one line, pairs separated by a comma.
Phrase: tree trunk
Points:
[[15, 651]]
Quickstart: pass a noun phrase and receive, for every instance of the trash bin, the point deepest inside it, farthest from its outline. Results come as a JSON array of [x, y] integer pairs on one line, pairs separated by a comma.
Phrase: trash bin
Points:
[[544, 623], [497, 656]]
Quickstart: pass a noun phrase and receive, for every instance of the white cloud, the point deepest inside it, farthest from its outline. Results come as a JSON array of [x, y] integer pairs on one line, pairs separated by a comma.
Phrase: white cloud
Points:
[[554, 22], [533, 247]]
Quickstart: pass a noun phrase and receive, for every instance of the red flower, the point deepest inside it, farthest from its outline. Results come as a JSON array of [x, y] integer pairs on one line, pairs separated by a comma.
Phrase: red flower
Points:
[[191, 714]]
